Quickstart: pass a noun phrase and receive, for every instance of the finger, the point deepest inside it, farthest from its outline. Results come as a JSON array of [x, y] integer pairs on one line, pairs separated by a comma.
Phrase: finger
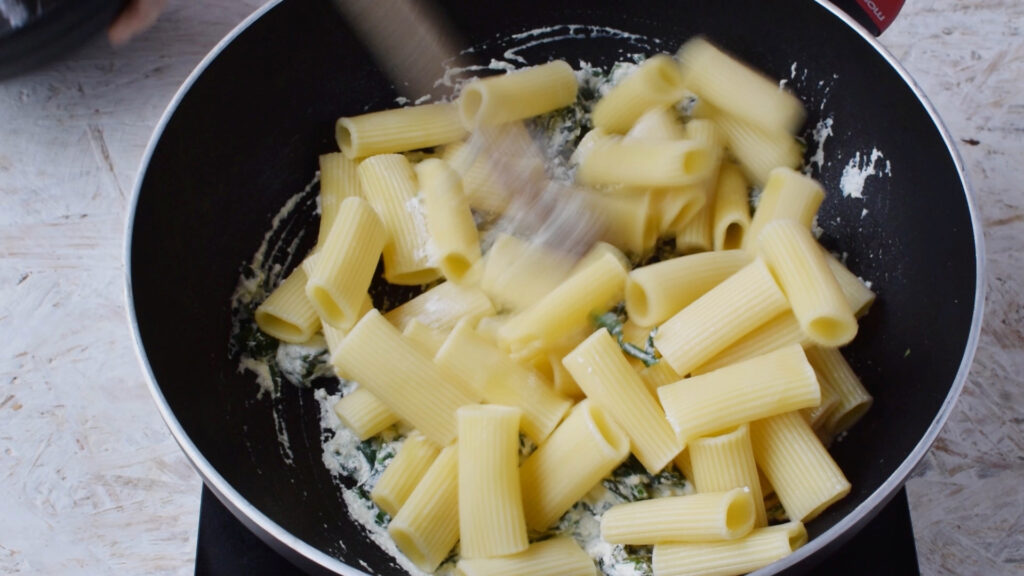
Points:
[[137, 16]]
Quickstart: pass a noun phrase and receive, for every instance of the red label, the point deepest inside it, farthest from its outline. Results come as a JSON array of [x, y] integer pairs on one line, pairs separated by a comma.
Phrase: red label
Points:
[[881, 12]]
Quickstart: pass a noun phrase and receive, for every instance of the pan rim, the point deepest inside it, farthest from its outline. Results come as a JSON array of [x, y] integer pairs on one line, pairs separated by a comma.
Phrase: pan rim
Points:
[[275, 535]]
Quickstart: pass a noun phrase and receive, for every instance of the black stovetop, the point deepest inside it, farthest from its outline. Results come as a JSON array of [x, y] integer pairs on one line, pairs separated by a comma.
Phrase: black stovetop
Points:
[[227, 548]]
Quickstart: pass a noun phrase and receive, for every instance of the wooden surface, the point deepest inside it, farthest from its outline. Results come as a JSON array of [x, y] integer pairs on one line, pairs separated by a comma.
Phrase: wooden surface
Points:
[[91, 481]]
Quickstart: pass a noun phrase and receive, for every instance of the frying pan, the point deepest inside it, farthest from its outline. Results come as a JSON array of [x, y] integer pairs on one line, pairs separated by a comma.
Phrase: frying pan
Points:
[[243, 135]]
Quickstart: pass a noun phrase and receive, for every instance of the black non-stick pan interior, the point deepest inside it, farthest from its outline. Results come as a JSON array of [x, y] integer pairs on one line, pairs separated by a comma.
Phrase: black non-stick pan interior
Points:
[[245, 137]]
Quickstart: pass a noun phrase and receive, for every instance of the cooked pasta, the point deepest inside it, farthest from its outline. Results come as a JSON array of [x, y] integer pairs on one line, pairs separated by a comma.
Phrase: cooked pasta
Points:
[[398, 130], [560, 556], [729, 558], [390, 186], [720, 317], [654, 293], [726, 461], [797, 263], [491, 519], [763, 386], [655, 83], [287, 313], [703, 517], [345, 263], [449, 219], [404, 472], [375, 355], [581, 451], [605, 376], [513, 388], [517, 95], [804, 475]]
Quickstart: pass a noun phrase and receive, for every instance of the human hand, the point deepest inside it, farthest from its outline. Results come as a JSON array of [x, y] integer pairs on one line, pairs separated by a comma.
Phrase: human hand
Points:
[[136, 17]]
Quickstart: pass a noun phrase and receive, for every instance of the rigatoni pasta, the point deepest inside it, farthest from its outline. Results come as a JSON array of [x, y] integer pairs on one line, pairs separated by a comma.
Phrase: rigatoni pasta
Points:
[[491, 519], [606, 377], [723, 315], [654, 293], [516, 334], [415, 389], [560, 556], [398, 130], [758, 549], [581, 451], [345, 263], [764, 386], [364, 414], [426, 527], [704, 517], [449, 219], [797, 263], [787, 195], [804, 475], [726, 461], [390, 186], [338, 180], [517, 95], [287, 314], [657, 82], [404, 472]]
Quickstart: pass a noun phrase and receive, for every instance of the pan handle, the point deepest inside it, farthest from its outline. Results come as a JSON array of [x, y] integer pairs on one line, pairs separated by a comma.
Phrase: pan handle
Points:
[[875, 15]]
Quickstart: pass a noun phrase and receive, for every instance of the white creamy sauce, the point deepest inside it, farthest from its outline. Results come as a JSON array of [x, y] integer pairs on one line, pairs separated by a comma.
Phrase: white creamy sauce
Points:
[[822, 130], [426, 253], [857, 171]]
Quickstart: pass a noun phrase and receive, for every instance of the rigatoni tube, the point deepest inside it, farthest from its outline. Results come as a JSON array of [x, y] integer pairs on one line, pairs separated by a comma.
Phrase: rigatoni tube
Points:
[[776, 333], [517, 95], [589, 444], [704, 517], [399, 130], [726, 461], [449, 218], [805, 477], [657, 82], [737, 89], [657, 291], [491, 518], [643, 163], [729, 558], [731, 215], [363, 413], [605, 376], [338, 180], [738, 305], [390, 186], [798, 265], [787, 195], [764, 386], [426, 527], [836, 373], [287, 313], [375, 355], [405, 471], [559, 556], [596, 283], [442, 306], [345, 263]]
